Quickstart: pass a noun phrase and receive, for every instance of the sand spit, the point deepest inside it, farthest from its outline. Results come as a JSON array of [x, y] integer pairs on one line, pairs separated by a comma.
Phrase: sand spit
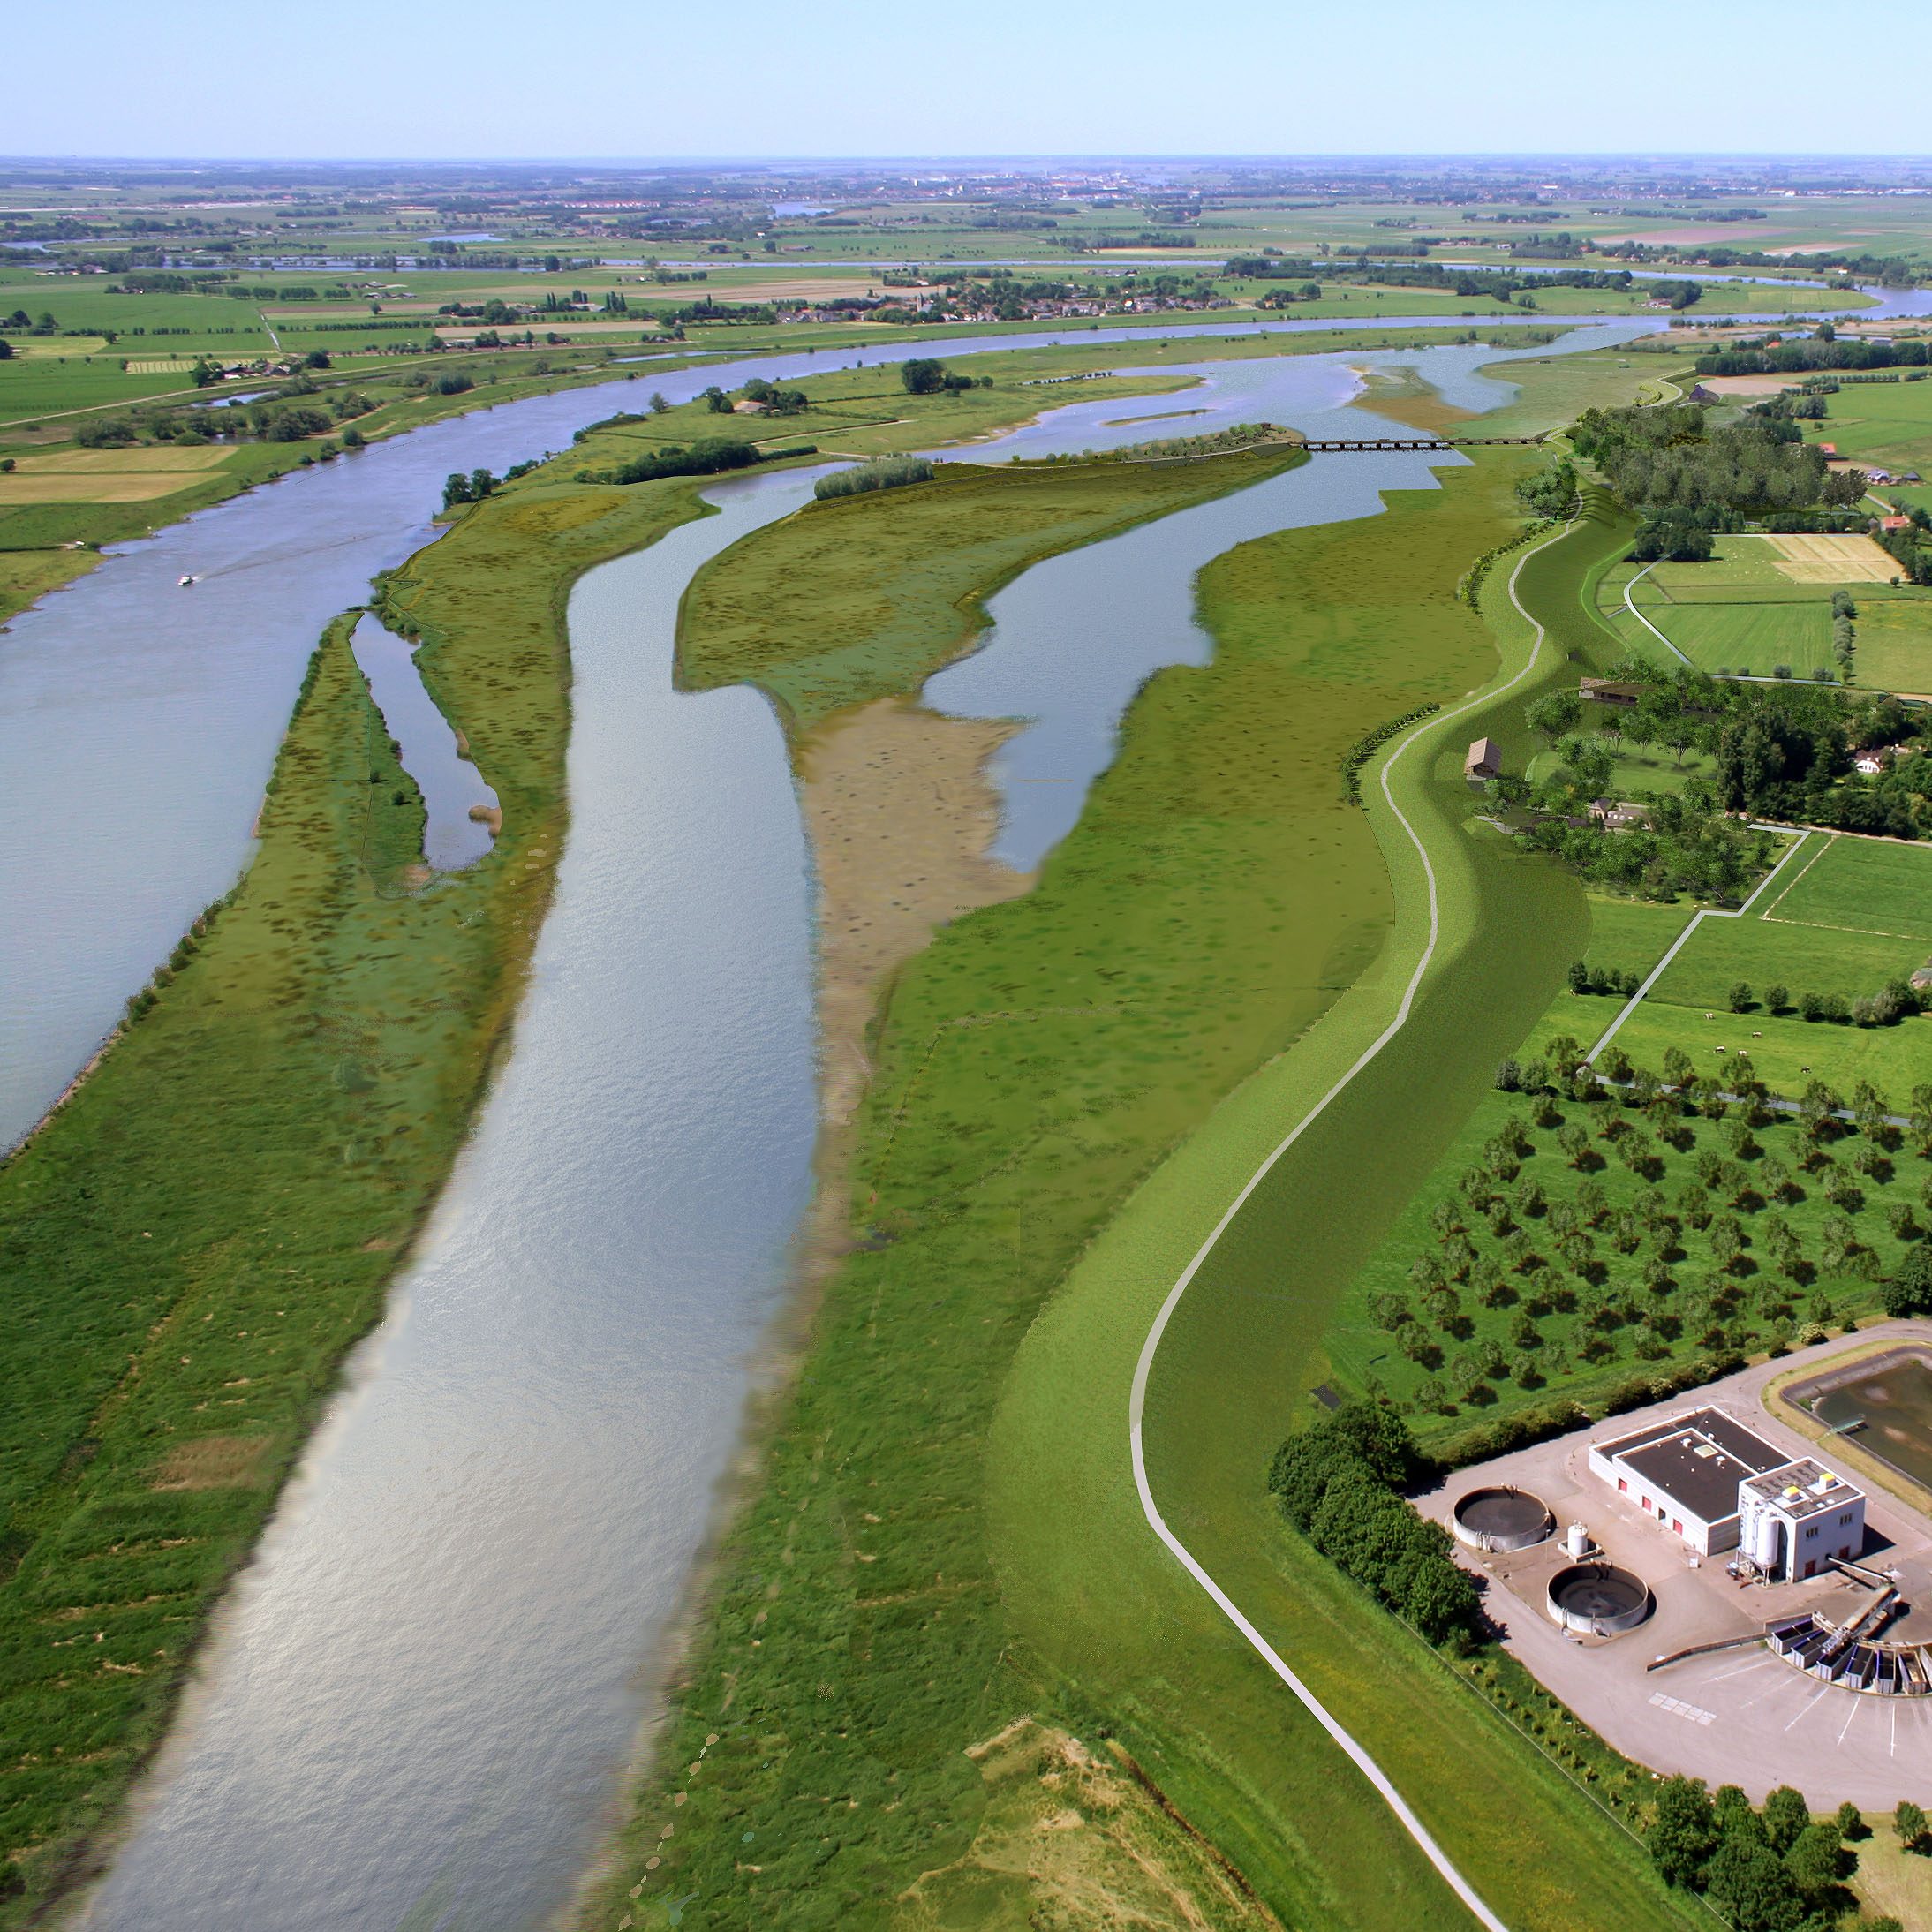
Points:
[[900, 813]]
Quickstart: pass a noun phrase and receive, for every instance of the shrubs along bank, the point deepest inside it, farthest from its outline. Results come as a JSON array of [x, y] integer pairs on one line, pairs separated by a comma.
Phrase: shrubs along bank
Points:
[[882, 473]]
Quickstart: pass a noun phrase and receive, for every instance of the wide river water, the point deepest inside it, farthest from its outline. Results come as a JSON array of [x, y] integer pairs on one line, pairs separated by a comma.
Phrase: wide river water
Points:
[[415, 1706]]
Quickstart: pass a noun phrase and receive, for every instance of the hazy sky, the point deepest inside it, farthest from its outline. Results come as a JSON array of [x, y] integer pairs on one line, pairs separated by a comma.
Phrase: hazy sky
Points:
[[642, 78]]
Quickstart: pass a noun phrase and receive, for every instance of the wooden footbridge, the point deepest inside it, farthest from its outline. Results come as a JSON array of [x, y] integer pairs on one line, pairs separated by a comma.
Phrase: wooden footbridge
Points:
[[1408, 442]]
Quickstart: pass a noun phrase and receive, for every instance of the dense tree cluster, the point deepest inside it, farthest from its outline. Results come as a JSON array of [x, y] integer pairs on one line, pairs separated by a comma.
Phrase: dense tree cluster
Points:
[[1551, 491], [705, 458], [1671, 459], [925, 375], [1496, 284], [1339, 1483], [1783, 752], [1688, 844], [1772, 1870], [1823, 350]]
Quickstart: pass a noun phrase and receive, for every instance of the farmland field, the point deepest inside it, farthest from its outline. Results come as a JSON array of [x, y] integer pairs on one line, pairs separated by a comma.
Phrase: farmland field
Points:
[[97, 486], [1753, 607], [1862, 885]]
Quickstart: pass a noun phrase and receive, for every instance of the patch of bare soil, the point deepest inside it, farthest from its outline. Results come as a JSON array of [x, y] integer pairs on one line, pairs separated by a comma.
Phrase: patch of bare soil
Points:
[[1078, 1839], [1410, 401], [211, 1462], [900, 815]]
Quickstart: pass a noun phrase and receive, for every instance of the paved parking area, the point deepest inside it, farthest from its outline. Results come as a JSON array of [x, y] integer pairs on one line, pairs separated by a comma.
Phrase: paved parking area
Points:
[[1740, 1717]]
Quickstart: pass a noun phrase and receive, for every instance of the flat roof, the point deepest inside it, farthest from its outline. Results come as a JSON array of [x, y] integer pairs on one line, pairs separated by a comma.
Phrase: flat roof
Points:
[[1697, 1461], [1804, 1489]]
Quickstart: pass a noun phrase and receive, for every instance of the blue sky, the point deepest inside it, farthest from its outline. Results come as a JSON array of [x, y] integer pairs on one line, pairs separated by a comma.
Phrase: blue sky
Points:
[[641, 78]]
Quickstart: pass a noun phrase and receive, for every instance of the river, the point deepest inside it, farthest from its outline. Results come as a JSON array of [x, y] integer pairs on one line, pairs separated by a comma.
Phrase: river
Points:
[[415, 1706], [139, 720]]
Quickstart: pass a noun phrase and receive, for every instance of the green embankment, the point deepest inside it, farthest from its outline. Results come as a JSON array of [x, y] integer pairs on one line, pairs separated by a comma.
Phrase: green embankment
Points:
[[1248, 1342], [946, 1538], [189, 1247]]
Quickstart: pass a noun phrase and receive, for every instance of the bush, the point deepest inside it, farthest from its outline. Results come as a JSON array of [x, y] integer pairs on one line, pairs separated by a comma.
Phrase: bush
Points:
[[882, 473], [1909, 1291]]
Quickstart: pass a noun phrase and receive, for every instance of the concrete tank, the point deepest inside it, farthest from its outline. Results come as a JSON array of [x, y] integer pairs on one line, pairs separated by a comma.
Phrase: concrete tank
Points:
[[1597, 1599], [1501, 1517]]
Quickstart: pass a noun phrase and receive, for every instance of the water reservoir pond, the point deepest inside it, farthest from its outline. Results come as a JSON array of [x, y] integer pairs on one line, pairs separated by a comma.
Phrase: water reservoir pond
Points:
[[1889, 1403]]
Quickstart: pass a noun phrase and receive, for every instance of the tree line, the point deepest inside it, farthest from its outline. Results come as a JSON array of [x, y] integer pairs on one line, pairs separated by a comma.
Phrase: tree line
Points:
[[1339, 1483]]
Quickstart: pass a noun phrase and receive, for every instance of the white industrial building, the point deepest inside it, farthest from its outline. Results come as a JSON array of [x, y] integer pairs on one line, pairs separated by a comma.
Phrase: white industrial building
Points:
[[1719, 1486], [1795, 1520]]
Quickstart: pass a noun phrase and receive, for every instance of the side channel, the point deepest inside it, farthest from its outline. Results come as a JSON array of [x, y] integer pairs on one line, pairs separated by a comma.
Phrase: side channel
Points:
[[418, 1701]]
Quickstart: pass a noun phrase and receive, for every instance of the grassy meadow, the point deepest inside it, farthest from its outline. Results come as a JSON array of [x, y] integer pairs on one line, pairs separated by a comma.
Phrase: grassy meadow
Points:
[[190, 1245], [784, 609]]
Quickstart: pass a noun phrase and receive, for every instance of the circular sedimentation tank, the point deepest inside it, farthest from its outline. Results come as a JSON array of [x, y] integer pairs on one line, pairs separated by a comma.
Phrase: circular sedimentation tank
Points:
[[1598, 1599], [1502, 1519]]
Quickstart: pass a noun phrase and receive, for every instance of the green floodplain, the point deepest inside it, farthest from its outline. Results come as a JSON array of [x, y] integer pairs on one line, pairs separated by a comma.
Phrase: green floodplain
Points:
[[1069, 1086], [942, 1610]]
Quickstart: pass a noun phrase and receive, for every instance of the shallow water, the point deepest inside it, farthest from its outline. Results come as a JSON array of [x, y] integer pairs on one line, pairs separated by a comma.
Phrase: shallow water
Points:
[[416, 1703], [1076, 638], [451, 786]]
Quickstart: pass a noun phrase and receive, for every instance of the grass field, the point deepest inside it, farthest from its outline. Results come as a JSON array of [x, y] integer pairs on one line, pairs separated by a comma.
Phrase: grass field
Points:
[[1887, 426], [213, 1219], [899, 1591], [1752, 609], [1860, 886], [1848, 917], [1891, 1881]]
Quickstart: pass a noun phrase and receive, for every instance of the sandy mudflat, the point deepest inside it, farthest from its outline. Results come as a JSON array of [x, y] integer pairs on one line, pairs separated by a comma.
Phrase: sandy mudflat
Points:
[[900, 815]]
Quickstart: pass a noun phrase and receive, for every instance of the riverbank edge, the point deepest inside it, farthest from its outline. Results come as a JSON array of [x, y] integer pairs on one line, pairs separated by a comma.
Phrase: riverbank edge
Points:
[[272, 462], [521, 896]]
